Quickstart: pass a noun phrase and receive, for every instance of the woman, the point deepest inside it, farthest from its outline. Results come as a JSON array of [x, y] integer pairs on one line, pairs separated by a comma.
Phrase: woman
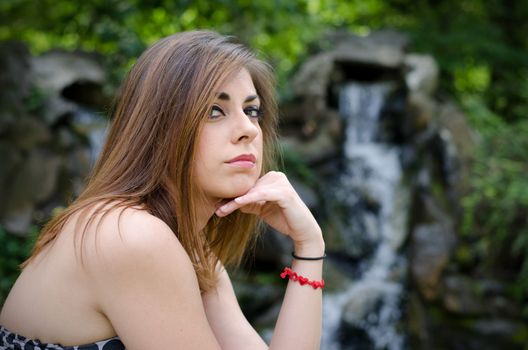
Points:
[[137, 261]]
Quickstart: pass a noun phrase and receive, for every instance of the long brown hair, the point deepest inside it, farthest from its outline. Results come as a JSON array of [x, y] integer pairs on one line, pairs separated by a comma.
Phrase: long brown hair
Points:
[[146, 160]]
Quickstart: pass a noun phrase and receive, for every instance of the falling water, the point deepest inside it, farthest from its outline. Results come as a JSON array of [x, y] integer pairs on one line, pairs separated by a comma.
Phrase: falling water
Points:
[[368, 311], [94, 127]]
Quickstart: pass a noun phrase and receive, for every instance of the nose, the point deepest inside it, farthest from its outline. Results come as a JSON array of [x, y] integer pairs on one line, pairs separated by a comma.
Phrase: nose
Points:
[[245, 129]]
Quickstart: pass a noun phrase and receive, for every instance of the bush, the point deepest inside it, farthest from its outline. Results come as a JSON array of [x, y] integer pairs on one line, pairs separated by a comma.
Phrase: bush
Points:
[[496, 208], [15, 249]]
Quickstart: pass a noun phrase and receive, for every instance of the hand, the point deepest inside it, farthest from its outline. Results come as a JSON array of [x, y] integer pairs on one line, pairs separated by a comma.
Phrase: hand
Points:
[[276, 202]]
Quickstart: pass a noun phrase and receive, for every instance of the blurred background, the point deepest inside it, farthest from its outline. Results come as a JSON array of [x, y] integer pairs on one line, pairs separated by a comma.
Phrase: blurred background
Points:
[[403, 127]]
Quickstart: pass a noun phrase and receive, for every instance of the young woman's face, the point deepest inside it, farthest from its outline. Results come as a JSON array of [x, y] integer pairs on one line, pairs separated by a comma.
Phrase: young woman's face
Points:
[[229, 155]]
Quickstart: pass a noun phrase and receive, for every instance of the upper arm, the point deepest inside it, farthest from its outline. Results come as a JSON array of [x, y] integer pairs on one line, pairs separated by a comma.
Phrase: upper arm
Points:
[[229, 324], [147, 287]]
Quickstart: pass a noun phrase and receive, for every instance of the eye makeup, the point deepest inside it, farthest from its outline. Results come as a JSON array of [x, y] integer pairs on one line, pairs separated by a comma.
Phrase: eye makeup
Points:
[[253, 112], [216, 112]]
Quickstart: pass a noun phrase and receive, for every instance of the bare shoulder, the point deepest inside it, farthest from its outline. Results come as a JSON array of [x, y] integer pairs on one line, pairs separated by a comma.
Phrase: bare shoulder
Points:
[[134, 224], [145, 283], [126, 236]]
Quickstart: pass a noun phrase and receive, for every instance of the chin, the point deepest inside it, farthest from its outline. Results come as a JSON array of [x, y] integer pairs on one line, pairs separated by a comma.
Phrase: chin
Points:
[[238, 188], [238, 191]]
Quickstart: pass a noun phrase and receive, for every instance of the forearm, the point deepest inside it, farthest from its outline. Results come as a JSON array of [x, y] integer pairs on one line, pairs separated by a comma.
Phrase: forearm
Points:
[[227, 321], [299, 322], [276, 202]]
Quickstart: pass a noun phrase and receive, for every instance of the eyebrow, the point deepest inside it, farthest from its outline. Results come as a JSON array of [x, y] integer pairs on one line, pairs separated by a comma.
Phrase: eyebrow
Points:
[[225, 97]]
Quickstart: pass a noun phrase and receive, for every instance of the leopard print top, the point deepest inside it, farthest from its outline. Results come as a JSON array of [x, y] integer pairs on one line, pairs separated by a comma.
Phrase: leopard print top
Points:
[[13, 341]]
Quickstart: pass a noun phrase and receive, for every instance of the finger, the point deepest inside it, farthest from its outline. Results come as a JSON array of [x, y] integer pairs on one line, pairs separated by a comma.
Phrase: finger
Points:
[[272, 187], [250, 208], [254, 208], [227, 208], [262, 195]]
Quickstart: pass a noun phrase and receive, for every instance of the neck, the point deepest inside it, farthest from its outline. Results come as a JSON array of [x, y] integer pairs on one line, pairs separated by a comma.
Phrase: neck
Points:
[[205, 211]]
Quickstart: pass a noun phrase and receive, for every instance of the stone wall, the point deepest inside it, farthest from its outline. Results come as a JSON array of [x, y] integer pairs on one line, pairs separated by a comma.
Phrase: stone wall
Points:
[[45, 149], [448, 306]]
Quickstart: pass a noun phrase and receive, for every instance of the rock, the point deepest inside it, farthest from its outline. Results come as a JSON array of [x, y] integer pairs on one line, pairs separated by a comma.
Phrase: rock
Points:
[[6, 120], [321, 147], [373, 306], [65, 138], [498, 327], [14, 59], [255, 299], [431, 248], [307, 194], [18, 221], [10, 161], [492, 334], [56, 70], [313, 76], [265, 322], [421, 73], [489, 333], [40, 99], [77, 165], [382, 49], [34, 181], [352, 219], [362, 301], [273, 250], [421, 110], [68, 79], [337, 274], [354, 338], [445, 166], [15, 81], [416, 320], [57, 109], [468, 296], [465, 138], [49, 166], [28, 132], [364, 298], [460, 296], [464, 142]]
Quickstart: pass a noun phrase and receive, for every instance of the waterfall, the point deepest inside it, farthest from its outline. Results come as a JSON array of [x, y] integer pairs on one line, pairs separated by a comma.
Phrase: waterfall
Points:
[[94, 127], [366, 315]]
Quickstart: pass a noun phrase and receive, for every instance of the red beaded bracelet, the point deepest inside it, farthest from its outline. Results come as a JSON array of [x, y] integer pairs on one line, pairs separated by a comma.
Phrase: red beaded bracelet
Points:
[[289, 273]]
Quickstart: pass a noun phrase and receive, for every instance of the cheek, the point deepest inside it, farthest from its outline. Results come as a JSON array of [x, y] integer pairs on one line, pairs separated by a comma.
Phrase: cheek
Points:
[[260, 148], [202, 160], [206, 144]]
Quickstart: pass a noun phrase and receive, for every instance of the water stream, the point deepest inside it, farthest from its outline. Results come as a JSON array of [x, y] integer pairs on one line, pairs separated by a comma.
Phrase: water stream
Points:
[[94, 126], [367, 314]]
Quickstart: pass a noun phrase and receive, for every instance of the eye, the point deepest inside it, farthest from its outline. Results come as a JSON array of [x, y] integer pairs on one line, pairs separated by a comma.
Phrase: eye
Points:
[[216, 112], [253, 112]]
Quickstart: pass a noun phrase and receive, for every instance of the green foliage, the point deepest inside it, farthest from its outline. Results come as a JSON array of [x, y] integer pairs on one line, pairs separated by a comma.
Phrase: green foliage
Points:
[[495, 209], [121, 30], [480, 47], [460, 34], [15, 249], [293, 165]]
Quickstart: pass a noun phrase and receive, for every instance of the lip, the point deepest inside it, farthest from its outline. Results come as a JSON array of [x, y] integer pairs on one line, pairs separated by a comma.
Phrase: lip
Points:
[[243, 161]]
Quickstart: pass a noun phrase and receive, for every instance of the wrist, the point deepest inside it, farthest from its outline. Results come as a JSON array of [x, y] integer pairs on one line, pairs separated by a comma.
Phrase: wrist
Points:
[[313, 248]]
